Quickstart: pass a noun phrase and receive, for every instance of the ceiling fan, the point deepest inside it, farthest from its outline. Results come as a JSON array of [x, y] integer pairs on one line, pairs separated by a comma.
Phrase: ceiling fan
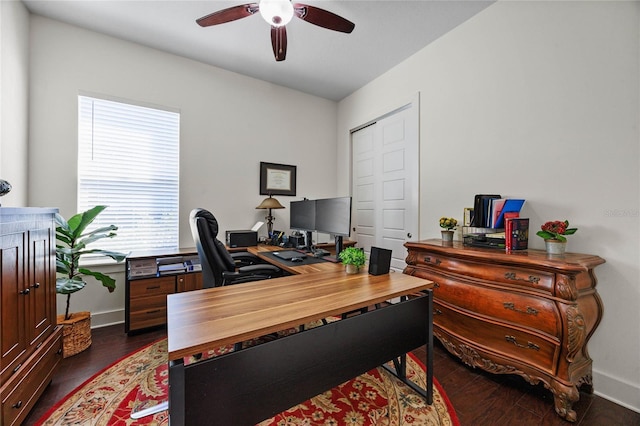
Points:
[[278, 13]]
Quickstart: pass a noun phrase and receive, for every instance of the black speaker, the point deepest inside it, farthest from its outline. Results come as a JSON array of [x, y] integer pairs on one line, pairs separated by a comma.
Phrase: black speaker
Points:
[[379, 261]]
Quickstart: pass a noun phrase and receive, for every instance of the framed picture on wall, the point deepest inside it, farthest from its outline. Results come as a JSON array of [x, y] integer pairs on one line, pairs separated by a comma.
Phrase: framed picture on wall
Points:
[[277, 179]]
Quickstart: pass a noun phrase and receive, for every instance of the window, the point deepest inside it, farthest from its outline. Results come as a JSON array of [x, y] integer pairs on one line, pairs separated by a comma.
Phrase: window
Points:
[[128, 160]]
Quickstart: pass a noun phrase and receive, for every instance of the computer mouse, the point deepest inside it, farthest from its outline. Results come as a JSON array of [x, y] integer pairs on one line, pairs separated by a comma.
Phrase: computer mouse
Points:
[[296, 259]]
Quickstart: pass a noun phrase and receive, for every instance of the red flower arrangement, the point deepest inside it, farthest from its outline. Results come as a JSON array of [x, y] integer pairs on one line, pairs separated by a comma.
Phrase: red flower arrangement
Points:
[[556, 230]]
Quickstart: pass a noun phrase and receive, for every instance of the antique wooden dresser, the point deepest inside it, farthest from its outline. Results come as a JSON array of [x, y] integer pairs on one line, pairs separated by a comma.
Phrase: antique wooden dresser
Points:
[[523, 312]]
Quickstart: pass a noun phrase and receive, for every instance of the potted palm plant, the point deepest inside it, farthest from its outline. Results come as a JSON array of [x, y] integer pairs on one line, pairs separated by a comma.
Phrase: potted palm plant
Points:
[[353, 257], [71, 246]]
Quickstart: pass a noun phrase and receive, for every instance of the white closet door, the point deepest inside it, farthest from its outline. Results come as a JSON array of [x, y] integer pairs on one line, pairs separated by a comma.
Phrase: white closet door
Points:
[[385, 183]]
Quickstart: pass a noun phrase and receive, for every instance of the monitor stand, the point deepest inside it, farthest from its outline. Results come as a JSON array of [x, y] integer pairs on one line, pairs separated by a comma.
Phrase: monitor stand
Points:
[[309, 241], [338, 245]]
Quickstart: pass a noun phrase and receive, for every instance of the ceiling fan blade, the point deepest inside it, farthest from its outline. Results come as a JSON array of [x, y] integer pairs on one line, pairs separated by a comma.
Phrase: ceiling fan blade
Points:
[[279, 42], [228, 15], [322, 18]]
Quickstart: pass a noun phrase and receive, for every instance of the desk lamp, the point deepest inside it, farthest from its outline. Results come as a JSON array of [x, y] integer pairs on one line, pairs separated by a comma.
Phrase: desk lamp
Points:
[[270, 203]]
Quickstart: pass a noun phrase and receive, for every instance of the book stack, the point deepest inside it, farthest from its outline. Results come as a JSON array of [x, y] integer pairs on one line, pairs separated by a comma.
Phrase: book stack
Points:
[[516, 232], [491, 216], [489, 211]]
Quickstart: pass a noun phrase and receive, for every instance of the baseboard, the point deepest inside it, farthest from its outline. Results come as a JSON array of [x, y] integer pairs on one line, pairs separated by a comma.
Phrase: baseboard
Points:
[[104, 319], [616, 390]]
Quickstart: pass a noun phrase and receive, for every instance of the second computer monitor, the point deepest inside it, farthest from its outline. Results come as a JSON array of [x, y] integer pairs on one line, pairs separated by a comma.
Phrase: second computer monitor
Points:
[[333, 216]]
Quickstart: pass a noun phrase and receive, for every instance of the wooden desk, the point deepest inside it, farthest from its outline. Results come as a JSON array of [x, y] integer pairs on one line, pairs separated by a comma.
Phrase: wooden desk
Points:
[[247, 386]]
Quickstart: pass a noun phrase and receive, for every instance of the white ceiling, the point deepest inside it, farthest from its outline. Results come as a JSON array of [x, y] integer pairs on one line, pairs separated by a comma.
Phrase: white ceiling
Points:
[[320, 62]]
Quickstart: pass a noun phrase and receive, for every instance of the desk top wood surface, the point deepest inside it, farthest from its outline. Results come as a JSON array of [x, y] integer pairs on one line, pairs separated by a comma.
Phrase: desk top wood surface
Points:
[[207, 319]]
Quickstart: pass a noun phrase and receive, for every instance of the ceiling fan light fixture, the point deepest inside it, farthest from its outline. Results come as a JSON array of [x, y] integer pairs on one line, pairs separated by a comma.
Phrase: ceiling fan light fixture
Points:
[[277, 13]]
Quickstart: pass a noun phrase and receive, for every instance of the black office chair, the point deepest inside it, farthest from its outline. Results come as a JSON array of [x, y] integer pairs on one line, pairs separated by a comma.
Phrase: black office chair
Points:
[[219, 267]]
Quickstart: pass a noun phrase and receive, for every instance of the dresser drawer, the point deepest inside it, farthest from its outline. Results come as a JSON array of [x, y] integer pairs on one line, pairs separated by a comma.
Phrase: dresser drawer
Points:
[[511, 275], [499, 339], [152, 287], [515, 307], [23, 390]]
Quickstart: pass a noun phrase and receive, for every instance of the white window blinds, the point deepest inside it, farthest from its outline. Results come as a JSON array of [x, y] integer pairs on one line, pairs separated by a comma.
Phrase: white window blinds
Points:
[[128, 160]]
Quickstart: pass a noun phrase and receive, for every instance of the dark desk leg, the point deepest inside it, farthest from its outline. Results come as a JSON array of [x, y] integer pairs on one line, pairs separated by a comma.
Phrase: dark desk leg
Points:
[[400, 363], [429, 363]]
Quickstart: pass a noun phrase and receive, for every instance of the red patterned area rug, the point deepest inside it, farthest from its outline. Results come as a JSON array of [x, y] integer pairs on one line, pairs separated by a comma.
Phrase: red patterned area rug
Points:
[[140, 380]]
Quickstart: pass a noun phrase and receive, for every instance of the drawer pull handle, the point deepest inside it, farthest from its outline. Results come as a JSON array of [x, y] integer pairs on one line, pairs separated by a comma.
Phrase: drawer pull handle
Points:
[[435, 262], [155, 287], [512, 306], [437, 312], [529, 345], [513, 276], [17, 404], [154, 311], [17, 367]]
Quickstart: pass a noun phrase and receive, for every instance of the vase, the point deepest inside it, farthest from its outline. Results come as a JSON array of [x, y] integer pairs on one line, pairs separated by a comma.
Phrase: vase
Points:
[[555, 247], [447, 236], [352, 269]]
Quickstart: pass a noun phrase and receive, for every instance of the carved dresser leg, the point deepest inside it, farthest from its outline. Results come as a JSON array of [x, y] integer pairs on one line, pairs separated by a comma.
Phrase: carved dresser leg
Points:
[[564, 398]]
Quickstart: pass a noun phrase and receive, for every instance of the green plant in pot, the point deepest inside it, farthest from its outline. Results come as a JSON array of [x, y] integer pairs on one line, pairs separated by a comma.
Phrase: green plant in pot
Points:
[[353, 257], [71, 246]]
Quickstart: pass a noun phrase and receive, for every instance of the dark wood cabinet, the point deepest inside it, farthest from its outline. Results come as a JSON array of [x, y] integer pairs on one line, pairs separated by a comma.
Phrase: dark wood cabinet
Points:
[[147, 287], [29, 338], [523, 312]]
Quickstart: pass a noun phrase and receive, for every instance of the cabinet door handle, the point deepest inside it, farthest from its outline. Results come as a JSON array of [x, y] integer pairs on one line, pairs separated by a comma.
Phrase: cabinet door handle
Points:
[[529, 345], [512, 306], [25, 291], [36, 285]]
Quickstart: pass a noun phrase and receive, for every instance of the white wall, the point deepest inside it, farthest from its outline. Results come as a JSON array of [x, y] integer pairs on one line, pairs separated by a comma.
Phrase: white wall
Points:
[[229, 123], [14, 89], [538, 100]]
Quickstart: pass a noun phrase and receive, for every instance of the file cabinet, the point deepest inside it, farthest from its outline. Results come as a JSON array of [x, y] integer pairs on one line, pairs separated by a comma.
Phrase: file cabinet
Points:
[[147, 286]]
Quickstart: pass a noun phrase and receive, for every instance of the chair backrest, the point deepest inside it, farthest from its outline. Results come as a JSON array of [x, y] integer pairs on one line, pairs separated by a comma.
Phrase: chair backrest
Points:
[[213, 255]]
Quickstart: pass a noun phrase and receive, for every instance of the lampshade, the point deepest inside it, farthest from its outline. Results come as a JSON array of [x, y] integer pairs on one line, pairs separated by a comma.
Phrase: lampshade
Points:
[[277, 13], [270, 203]]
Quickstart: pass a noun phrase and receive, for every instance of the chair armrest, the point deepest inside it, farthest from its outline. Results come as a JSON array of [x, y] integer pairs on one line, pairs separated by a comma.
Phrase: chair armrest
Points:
[[244, 258], [264, 268], [250, 273]]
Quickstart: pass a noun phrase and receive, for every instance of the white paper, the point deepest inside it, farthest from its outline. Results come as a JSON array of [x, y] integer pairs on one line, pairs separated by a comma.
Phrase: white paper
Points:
[[257, 226]]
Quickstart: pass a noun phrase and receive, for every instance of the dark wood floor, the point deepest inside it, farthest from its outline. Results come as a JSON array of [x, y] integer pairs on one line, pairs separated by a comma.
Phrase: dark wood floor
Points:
[[478, 398]]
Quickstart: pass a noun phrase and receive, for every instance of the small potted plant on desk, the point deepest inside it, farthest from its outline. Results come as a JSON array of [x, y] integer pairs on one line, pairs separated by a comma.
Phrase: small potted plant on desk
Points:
[[354, 258], [71, 242]]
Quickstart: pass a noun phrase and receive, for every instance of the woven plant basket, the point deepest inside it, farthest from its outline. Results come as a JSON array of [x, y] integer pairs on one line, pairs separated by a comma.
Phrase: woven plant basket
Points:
[[76, 333]]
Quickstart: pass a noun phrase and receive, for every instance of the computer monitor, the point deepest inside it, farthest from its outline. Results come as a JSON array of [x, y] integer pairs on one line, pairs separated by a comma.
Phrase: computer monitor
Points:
[[302, 215], [333, 216]]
